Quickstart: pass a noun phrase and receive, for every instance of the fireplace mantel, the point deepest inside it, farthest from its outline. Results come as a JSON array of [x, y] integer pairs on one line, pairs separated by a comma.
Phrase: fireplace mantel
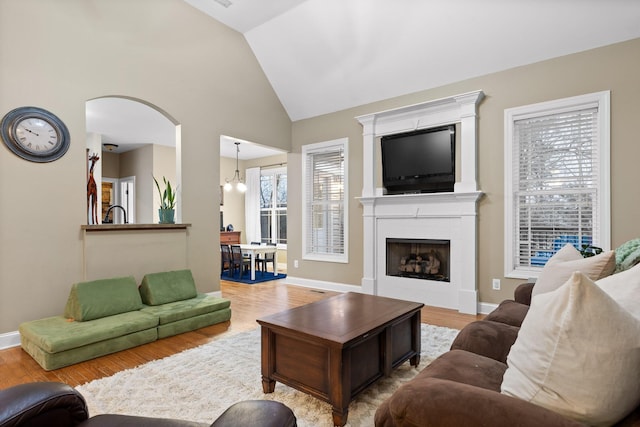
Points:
[[454, 109], [451, 216], [422, 204]]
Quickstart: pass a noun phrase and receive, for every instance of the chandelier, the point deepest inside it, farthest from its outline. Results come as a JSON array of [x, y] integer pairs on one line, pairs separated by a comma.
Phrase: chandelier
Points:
[[240, 186]]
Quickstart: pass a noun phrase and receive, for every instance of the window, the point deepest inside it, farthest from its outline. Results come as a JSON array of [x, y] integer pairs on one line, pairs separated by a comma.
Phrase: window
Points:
[[273, 206], [556, 180], [325, 213]]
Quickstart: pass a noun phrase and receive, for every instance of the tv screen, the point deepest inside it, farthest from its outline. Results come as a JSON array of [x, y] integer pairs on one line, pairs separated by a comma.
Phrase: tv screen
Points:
[[420, 161]]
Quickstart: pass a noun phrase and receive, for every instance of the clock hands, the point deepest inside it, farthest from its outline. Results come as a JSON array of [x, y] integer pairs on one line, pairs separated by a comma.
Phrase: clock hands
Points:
[[30, 131]]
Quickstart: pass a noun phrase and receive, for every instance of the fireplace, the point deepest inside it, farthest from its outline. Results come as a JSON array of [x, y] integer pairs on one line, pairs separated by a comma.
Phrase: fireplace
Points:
[[429, 218], [423, 259]]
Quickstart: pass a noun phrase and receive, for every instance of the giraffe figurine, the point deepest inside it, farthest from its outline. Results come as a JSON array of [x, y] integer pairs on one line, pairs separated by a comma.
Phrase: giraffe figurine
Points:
[[92, 192]]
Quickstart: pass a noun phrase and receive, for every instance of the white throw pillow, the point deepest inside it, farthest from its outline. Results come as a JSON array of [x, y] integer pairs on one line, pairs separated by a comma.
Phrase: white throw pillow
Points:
[[624, 287], [577, 354], [567, 260]]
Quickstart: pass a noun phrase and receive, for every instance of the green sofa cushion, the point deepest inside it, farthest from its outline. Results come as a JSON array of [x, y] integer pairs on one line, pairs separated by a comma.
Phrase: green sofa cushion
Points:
[[101, 298], [166, 287], [56, 334], [180, 310], [50, 361], [193, 323]]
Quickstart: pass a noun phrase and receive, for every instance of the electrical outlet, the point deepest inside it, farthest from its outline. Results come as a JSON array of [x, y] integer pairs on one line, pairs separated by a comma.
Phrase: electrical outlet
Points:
[[295, 263], [496, 284]]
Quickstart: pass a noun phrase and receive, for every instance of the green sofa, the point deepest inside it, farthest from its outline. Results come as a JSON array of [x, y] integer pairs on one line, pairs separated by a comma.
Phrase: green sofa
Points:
[[109, 315], [171, 297]]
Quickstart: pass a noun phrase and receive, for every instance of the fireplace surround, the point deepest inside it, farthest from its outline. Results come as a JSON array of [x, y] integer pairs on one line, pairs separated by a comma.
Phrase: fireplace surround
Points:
[[448, 216]]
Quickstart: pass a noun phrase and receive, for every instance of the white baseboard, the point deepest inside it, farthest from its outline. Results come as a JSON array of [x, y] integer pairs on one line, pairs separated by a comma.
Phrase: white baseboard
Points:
[[319, 284], [486, 307], [9, 339], [483, 307]]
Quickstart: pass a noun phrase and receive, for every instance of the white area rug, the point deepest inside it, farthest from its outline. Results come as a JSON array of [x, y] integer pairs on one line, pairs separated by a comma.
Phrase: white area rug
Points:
[[200, 383]]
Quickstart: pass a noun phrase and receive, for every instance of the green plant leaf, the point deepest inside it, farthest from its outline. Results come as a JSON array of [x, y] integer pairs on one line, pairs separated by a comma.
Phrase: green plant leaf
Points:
[[168, 196]]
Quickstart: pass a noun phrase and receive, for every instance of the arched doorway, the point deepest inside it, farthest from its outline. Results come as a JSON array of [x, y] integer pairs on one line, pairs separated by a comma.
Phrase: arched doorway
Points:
[[135, 141]]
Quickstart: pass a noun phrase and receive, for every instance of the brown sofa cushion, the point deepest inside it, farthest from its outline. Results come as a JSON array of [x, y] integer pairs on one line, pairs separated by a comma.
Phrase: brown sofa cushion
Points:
[[465, 367], [445, 403], [486, 338], [509, 312], [461, 389], [522, 293]]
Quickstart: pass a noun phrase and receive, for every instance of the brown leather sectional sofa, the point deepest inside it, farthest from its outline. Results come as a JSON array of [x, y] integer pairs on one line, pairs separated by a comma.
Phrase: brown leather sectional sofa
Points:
[[462, 387]]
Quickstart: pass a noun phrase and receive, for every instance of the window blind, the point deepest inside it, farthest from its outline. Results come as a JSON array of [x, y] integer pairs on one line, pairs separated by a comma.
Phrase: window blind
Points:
[[324, 199], [556, 161]]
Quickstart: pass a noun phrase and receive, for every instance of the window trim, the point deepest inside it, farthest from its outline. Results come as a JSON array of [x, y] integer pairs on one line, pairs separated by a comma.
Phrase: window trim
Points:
[[273, 172], [341, 143], [603, 101]]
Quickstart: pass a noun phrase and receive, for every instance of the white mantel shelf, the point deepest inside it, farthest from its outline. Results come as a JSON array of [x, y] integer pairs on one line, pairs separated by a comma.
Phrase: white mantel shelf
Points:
[[444, 216], [423, 204]]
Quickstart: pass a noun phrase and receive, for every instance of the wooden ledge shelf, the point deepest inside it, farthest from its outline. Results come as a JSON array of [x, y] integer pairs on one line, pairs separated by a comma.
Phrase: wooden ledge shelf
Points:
[[134, 227]]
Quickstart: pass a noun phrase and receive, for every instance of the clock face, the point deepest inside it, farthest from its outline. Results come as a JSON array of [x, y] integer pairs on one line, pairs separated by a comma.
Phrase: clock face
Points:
[[35, 134]]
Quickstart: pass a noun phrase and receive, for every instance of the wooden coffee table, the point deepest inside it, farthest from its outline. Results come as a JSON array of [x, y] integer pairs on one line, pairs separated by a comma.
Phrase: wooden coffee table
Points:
[[334, 348]]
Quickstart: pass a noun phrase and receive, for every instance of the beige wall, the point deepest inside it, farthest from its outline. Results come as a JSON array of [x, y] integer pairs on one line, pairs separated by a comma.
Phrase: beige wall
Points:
[[110, 164], [233, 208], [162, 51], [164, 165], [139, 163], [124, 250], [614, 68], [267, 162]]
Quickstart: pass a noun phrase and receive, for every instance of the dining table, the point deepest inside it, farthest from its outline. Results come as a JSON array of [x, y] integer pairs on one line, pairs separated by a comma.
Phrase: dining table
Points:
[[254, 250]]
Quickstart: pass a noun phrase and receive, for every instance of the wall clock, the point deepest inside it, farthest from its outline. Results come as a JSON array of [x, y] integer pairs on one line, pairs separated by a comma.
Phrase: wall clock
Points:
[[35, 134]]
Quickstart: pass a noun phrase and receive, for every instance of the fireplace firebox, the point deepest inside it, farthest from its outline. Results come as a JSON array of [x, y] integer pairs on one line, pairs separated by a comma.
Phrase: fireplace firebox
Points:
[[424, 259]]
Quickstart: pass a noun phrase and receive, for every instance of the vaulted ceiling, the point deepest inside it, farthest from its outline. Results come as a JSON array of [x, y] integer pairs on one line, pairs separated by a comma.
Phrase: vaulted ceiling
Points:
[[323, 56]]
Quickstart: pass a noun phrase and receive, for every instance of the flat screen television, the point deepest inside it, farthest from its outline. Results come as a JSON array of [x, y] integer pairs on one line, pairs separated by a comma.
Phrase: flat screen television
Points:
[[422, 161]]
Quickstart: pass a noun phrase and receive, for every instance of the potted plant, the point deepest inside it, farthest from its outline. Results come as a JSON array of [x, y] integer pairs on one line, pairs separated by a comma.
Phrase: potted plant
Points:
[[167, 211]]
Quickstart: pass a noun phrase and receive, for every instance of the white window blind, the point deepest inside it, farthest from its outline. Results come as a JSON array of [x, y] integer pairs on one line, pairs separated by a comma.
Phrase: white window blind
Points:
[[324, 234], [557, 193]]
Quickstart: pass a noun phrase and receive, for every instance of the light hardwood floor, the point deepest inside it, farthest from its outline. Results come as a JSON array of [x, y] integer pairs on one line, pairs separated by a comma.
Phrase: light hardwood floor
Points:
[[248, 302]]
